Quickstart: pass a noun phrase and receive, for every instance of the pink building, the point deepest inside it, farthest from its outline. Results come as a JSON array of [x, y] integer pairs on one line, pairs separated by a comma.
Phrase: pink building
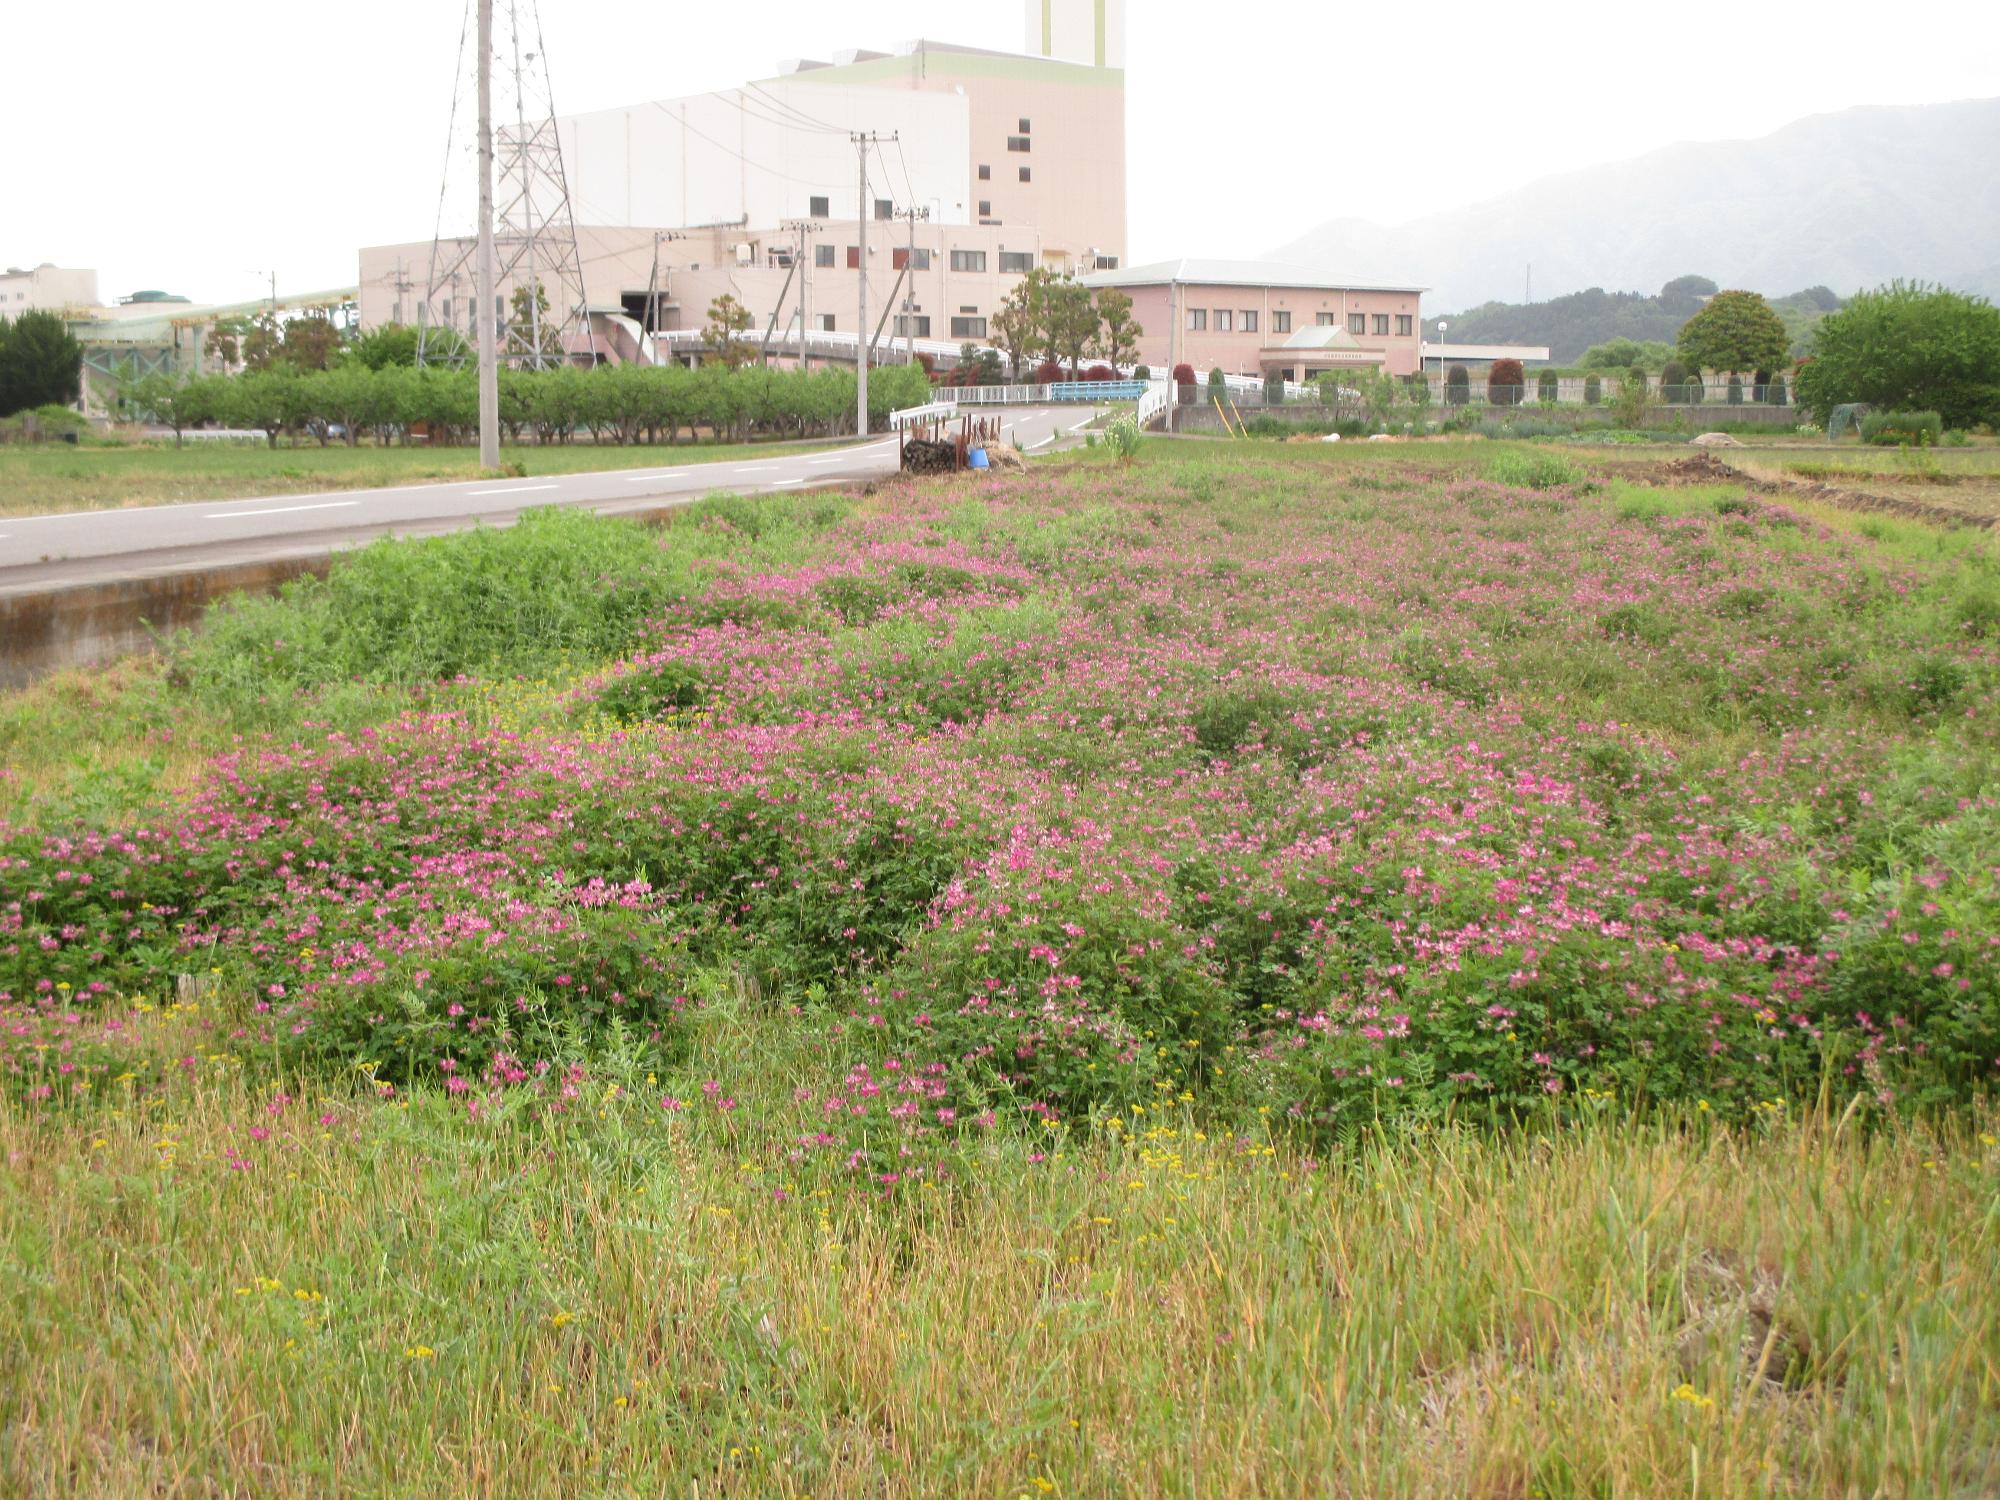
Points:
[[1258, 318]]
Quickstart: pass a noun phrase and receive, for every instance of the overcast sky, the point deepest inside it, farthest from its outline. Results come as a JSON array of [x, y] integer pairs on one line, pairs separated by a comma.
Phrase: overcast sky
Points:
[[194, 148]]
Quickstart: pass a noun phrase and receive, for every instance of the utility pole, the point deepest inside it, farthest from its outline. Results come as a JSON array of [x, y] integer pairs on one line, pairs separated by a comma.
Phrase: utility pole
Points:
[[660, 237], [402, 284], [527, 204], [864, 142], [910, 270], [489, 370]]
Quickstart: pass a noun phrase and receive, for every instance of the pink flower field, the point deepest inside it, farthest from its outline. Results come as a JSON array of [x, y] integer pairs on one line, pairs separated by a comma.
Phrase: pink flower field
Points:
[[1328, 793]]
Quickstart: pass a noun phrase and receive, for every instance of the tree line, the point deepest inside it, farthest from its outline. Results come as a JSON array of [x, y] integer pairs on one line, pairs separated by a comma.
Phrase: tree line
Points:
[[1051, 319], [610, 403]]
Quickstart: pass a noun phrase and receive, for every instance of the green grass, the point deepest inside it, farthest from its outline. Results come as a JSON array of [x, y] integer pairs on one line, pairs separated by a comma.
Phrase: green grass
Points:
[[408, 1299], [52, 478]]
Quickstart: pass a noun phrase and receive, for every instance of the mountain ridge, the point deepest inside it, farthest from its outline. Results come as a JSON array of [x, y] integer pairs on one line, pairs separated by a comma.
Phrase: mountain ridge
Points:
[[1848, 199]]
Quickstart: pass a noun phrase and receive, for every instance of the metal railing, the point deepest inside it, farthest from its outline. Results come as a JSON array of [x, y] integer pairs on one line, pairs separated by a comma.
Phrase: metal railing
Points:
[[913, 416], [1159, 396]]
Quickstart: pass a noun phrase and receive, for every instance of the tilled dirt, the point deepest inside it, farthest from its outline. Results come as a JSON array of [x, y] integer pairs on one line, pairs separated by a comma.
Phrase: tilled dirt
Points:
[[1706, 468]]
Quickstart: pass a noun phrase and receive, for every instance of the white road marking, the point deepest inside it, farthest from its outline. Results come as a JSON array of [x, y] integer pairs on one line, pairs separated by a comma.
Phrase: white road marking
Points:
[[1043, 443], [817, 463], [649, 478], [1083, 424], [754, 469], [778, 484], [278, 510], [526, 489]]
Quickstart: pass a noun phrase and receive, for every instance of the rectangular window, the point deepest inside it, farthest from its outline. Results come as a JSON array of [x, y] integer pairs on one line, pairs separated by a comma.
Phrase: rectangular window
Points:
[[819, 208], [1225, 320], [823, 256], [1281, 322], [1402, 325], [1026, 128], [985, 208], [1324, 320], [1197, 320], [1249, 320], [1017, 262], [919, 260], [824, 321], [1027, 174], [985, 174], [968, 260], [885, 208], [1357, 322], [912, 327], [1018, 143], [1107, 262], [853, 257], [968, 328], [1381, 325]]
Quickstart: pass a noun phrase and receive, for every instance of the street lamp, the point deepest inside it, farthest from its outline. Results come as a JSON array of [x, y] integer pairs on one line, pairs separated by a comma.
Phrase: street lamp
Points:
[[1442, 326]]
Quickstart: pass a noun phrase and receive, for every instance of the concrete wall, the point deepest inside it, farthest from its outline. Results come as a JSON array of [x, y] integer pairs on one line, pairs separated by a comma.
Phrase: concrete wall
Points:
[[47, 288], [752, 155]]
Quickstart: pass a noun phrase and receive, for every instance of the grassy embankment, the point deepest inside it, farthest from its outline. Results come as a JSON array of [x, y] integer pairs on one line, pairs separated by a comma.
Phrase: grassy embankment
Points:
[[1321, 754], [53, 478]]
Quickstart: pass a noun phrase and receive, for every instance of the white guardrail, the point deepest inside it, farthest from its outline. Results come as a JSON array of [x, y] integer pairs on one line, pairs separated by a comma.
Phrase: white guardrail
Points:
[[1159, 396], [911, 416]]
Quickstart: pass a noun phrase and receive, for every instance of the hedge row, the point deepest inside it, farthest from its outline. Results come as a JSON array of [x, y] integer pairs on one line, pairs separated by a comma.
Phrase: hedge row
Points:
[[613, 403]]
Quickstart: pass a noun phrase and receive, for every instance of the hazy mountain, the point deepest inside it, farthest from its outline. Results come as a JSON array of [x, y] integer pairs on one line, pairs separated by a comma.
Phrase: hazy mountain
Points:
[[1572, 324], [1846, 200]]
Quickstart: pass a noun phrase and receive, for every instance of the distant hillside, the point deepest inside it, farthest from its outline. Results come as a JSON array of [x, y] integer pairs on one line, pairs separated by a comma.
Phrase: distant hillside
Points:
[[1569, 325], [1846, 200]]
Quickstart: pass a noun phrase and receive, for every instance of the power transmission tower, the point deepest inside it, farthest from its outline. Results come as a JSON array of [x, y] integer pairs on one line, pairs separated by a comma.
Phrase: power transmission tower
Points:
[[538, 269], [864, 142]]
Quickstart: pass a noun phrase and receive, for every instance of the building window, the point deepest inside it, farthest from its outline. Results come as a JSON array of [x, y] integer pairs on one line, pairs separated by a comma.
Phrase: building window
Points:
[[819, 208], [1016, 262], [985, 174], [824, 322], [1225, 320], [853, 257], [1324, 320], [1381, 325], [1107, 262], [1281, 322], [968, 260], [919, 260], [1026, 128], [885, 208], [1357, 322], [1402, 325], [1249, 320], [823, 256], [1197, 320], [912, 327], [1019, 143], [985, 208], [968, 328], [1027, 174]]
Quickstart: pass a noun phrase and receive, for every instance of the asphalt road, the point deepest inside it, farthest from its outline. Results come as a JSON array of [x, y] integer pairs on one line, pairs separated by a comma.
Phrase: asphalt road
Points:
[[45, 552]]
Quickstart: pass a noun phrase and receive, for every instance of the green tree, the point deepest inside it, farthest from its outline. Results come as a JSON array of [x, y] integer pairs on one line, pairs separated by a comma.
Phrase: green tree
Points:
[[723, 334], [1736, 331], [1907, 347], [312, 341], [1624, 354], [41, 363], [1548, 387], [1457, 386], [525, 322], [1072, 323], [1506, 383], [1629, 406], [389, 344], [1118, 335], [1021, 326], [175, 402]]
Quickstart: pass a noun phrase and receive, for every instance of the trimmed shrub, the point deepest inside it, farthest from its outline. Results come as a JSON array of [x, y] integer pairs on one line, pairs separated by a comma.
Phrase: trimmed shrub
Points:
[[1775, 394], [1693, 392], [1505, 383], [1457, 386], [1672, 378], [1902, 429], [1593, 390], [1548, 387], [1142, 372], [1048, 372], [1184, 383], [1274, 389], [1736, 390], [1100, 372]]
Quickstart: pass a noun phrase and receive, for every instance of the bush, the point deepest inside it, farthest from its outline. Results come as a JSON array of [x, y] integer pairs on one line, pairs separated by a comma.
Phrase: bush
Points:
[[1693, 392], [1049, 372], [1548, 387], [1100, 373], [1457, 386], [1505, 383], [1907, 429], [1775, 392], [1184, 384], [1736, 390], [1142, 372], [1672, 378], [1532, 471], [1593, 390]]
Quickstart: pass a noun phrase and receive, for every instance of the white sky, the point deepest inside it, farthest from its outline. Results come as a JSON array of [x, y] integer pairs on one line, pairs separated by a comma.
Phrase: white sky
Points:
[[194, 147]]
